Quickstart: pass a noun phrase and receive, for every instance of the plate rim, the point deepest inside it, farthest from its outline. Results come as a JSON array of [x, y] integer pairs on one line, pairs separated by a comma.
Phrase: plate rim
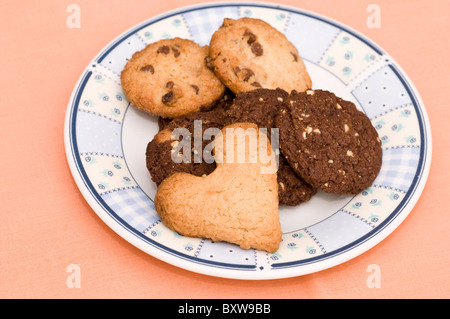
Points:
[[334, 258]]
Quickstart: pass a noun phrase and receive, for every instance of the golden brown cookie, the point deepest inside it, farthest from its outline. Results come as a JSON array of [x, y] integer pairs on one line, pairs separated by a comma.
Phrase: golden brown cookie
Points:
[[237, 203], [169, 78], [249, 53]]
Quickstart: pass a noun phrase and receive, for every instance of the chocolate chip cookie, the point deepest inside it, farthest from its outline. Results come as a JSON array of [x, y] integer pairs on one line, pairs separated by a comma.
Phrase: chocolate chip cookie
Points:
[[249, 53], [169, 78], [260, 106], [329, 142]]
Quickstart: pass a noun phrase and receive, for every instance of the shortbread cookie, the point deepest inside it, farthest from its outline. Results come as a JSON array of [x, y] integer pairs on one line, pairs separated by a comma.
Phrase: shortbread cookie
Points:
[[169, 78], [329, 142], [260, 106], [160, 151], [249, 53], [237, 203]]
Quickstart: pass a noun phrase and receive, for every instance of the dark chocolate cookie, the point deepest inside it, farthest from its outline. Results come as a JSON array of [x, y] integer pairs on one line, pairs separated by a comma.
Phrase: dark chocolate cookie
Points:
[[292, 190], [161, 165], [159, 153], [329, 142], [216, 114], [260, 106]]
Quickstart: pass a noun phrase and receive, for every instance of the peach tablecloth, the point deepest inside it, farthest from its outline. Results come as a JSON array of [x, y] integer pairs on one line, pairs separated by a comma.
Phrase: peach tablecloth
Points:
[[46, 224]]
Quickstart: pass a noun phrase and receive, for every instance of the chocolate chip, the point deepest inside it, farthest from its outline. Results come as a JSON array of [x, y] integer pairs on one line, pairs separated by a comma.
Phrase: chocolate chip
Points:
[[209, 63], [163, 49], [248, 74], [148, 68], [251, 36], [295, 56], [256, 84], [166, 98], [169, 85], [196, 88], [176, 52], [257, 48]]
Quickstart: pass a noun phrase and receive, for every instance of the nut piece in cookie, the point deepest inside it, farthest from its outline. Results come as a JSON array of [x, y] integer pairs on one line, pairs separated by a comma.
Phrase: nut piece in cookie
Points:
[[329, 142], [169, 78], [260, 106], [249, 53], [237, 203]]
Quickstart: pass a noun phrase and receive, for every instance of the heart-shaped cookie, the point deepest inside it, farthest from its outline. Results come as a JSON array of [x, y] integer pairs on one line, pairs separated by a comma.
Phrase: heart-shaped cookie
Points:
[[237, 203]]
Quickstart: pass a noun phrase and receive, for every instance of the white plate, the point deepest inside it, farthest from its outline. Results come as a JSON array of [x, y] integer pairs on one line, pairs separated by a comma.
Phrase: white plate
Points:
[[106, 139]]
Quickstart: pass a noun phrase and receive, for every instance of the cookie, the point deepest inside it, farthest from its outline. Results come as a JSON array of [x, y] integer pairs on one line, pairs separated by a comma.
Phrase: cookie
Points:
[[260, 106], [160, 151], [236, 203], [215, 117], [329, 142], [160, 163], [169, 78], [163, 122], [292, 190], [218, 110], [249, 53]]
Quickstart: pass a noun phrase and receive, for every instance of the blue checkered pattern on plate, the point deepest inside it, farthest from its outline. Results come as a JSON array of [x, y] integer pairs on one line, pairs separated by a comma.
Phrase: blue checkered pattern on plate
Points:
[[203, 23], [399, 168], [133, 206]]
